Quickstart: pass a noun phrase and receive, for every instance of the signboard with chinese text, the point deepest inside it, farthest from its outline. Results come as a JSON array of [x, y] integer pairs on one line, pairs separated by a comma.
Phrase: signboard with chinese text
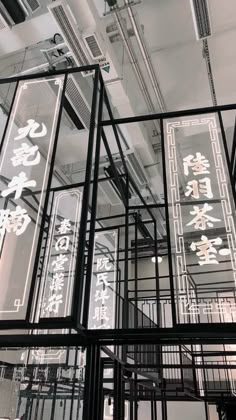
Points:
[[59, 267], [102, 306], [202, 221], [24, 168]]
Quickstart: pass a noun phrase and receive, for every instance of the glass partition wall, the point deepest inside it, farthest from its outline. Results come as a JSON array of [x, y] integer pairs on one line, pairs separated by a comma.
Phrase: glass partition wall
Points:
[[117, 278]]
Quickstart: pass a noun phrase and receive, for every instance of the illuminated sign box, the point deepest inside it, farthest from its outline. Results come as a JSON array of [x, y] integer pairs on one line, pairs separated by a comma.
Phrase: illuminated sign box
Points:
[[24, 169], [202, 222], [102, 306]]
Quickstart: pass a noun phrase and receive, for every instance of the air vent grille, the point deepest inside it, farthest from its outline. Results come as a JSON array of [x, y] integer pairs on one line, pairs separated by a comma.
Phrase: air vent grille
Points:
[[64, 19], [76, 99], [3, 23], [93, 47], [33, 5], [201, 18]]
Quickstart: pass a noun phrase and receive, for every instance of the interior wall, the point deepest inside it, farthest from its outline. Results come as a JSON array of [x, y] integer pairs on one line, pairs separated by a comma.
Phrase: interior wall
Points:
[[185, 410]]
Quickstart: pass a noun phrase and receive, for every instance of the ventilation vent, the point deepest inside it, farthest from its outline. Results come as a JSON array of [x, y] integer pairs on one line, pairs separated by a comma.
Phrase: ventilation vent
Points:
[[77, 101], [201, 18], [5, 19], [136, 169], [3, 23], [93, 46], [32, 5], [65, 20]]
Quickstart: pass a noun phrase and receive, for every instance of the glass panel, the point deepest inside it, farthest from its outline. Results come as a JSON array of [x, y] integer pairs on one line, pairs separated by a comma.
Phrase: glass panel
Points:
[[60, 258], [24, 168], [202, 223], [43, 384]]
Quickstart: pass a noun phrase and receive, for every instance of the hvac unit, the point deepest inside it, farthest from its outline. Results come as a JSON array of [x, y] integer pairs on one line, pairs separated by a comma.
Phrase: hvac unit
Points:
[[65, 20], [75, 104], [93, 46], [136, 168], [78, 101]]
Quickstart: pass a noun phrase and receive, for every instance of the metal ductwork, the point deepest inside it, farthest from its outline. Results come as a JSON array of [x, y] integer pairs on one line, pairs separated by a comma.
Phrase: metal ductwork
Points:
[[65, 20]]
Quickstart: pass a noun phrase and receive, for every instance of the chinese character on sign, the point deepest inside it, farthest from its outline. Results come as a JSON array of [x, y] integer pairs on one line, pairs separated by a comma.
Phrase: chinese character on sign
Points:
[[202, 220], [103, 264], [53, 303], [62, 243], [206, 251], [14, 221], [17, 184], [57, 282], [26, 155], [65, 226], [198, 164], [202, 186], [59, 262], [102, 278], [23, 155], [101, 295], [31, 130], [100, 313]]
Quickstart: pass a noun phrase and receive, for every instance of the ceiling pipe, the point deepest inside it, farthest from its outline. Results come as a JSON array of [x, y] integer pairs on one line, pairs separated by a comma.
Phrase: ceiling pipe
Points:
[[133, 60], [146, 57]]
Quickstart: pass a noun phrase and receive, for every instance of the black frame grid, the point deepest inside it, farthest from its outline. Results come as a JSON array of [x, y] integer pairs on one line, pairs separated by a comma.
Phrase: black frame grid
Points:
[[147, 345]]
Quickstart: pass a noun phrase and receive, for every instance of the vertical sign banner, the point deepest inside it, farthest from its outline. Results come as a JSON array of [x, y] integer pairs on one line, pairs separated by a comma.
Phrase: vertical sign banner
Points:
[[60, 259], [202, 223], [102, 305], [24, 167]]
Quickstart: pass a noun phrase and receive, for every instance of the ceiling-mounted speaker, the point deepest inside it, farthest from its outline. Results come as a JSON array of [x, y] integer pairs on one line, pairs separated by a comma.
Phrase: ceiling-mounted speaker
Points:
[[201, 18]]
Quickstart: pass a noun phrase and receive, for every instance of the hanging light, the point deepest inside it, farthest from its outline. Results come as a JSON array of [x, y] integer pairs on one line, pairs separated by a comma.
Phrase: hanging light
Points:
[[159, 259]]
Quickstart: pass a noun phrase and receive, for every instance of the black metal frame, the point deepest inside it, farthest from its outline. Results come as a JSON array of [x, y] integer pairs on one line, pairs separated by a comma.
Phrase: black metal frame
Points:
[[155, 337]]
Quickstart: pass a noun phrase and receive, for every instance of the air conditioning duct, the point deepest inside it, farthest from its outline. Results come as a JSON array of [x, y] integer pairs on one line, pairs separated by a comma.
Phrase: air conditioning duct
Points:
[[78, 101], [75, 104], [136, 168], [201, 18], [65, 20]]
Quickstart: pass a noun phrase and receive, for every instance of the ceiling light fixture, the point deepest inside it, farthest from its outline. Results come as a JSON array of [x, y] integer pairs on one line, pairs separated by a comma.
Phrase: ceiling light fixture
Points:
[[201, 18]]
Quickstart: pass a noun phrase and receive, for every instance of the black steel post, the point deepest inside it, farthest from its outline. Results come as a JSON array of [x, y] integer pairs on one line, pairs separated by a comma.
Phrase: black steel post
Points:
[[93, 385], [115, 131], [79, 270], [158, 303], [118, 392], [89, 267], [223, 135], [125, 322], [164, 407], [136, 273]]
